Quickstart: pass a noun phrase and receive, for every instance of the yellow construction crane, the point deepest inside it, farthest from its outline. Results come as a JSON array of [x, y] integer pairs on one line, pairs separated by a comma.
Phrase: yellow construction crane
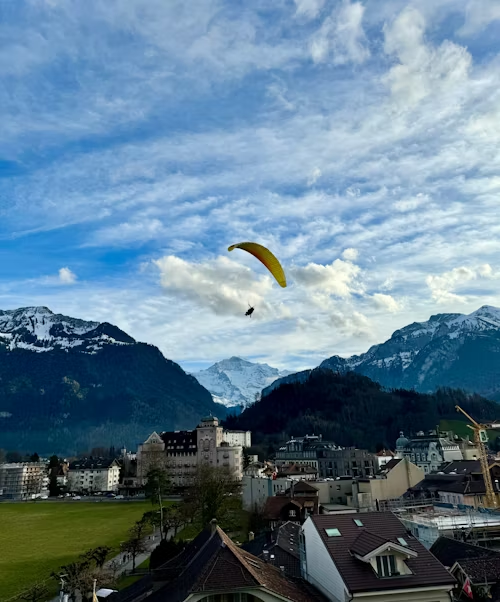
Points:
[[480, 438]]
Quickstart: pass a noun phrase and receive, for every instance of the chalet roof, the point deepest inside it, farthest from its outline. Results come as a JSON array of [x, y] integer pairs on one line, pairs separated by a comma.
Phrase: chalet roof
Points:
[[448, 551], [358, 575], [275, 504], [218, 565]]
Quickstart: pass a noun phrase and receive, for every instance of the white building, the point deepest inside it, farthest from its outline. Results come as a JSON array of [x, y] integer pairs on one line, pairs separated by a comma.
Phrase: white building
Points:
[[23, 480], [180, 452], [238, 438], [256, 490], [93, 475]]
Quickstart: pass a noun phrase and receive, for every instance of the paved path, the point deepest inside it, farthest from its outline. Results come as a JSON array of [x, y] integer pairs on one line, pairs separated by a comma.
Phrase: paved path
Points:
[[125, 567]]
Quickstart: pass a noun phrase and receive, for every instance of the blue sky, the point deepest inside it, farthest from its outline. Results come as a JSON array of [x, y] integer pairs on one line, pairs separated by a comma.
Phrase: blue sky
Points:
[[358, 140]]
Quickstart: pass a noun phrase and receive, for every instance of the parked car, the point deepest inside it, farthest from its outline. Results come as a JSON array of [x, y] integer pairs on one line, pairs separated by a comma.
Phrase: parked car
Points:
[[119, 497], [111, 495], [77, 497], [44, 497]]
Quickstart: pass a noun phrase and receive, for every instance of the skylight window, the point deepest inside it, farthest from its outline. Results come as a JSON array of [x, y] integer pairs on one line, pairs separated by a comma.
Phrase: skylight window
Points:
[[358, 523], [402, 541], [333, 532]]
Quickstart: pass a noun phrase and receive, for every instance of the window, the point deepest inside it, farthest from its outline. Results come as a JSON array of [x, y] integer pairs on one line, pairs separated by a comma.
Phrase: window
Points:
[[333, 532], [292, 513], [386, 566], [402, 541], [357, 522]]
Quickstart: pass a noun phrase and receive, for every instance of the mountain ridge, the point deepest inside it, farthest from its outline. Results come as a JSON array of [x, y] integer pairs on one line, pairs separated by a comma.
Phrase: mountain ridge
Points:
[[236, 381], [442, 351], [67, 385]]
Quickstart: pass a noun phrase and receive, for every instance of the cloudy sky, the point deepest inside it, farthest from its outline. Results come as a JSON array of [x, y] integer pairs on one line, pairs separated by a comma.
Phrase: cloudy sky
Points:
[[359, 140]]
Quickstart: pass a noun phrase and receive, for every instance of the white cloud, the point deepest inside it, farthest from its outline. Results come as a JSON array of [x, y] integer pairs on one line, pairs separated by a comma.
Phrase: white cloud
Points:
[[309, 8], [350, 254], [221, 285], [478, 15], [66, 276], [340, 278], [341, 36], [422, 69], [442, 286], [386, 302], [314, 177]]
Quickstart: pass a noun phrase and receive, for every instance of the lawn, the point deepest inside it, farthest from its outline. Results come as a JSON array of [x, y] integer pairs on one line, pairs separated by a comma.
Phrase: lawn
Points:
[[38, 537]]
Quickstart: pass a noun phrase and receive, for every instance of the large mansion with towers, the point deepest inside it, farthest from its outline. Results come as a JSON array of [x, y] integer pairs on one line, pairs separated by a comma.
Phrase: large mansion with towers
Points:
[[182, 451]]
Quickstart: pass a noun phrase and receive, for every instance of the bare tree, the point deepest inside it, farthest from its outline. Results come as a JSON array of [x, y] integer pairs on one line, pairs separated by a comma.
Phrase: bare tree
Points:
[[135, 545], [38, 592], [210, 495]]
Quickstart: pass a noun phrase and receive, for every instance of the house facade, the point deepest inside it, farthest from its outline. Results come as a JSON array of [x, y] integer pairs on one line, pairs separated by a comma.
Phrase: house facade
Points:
[[180, 452], [429, 451], [92, 475], [370, 556], [23, 480]]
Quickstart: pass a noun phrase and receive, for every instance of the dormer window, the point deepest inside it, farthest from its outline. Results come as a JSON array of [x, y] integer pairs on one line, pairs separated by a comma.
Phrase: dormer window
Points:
[[386, 566]]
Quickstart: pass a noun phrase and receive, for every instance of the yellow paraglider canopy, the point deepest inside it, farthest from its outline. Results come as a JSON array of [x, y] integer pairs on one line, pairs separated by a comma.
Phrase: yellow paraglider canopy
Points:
[[264, 256]]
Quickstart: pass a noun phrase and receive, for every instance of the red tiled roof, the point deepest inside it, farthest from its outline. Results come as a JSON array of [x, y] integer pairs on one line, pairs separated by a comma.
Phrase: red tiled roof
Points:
[[358, 575]]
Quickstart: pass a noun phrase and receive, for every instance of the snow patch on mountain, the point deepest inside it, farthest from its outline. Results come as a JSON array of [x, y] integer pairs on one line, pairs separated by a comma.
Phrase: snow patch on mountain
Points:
[[38, 329], [235, 381]]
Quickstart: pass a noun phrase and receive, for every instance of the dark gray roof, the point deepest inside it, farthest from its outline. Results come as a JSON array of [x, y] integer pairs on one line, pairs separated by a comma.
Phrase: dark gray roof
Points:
[[358, 575], [92, 463], [181, 440], [288, 538], [366, 542], [448, 551], [481, 570]]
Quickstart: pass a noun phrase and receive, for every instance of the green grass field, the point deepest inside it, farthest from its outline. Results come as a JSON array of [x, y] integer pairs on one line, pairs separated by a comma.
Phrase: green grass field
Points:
[[38, 537]]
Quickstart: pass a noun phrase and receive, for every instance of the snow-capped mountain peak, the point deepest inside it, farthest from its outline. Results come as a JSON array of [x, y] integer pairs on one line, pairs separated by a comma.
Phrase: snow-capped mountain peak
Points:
[[236, 381], [39, 329]]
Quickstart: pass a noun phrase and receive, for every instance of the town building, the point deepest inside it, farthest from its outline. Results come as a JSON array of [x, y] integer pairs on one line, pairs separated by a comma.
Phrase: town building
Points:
[[383, 456], [392, 482], [430, 451], [458, 483], [256, 490], [298, 472], [370, 556], [279, 548], [302, 450], [477, 565], [93, 475], [180, 452], [296, 504], [348, 461], [23, 480]]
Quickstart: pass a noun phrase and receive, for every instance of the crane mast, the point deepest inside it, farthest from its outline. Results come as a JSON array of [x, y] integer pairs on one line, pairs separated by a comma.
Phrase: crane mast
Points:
[[480, 438]]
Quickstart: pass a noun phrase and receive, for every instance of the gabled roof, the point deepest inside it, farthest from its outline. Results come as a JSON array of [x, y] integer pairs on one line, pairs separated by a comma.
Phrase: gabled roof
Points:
[[385, 452], [465, 487], [275, 504], [366, 542], [390, 465], [480, 570], [216, 564], [288, 538], [358, 575], [448, 551], [303, 487]]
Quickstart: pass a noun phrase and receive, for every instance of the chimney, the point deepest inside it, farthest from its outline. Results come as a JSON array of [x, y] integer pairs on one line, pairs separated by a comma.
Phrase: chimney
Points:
[[251, 536], [213, 525]]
